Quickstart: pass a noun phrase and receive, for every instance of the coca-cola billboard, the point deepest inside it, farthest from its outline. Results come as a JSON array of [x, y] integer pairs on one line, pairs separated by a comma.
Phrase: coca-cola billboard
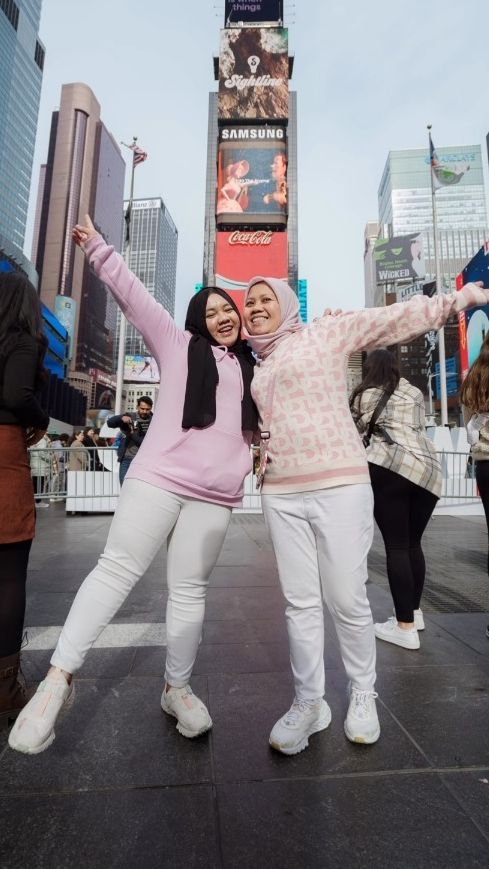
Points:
[[254, 74], [240, 255], [252, 181]]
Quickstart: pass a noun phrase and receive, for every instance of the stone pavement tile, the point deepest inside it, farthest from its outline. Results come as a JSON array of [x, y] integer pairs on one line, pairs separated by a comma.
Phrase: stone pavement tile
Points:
[[245, 707], [469, 628], [387, 822], [51, 608], [99, 664], [47, 608], [471, 789], [66, 573], [143, 606], [157, 828], [250, 631], [220, 658], [226, 576], [444, 709], [438, 647], [243, 603], [115, 736]]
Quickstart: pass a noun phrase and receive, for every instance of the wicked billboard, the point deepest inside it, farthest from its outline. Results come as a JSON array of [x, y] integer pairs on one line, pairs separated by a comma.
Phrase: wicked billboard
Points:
[[254, 74], [252, 181], [399, 258]]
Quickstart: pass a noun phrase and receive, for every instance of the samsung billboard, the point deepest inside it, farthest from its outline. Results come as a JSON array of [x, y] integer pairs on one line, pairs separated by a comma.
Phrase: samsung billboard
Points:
[[254, 74], [251, 180], [256, 12]]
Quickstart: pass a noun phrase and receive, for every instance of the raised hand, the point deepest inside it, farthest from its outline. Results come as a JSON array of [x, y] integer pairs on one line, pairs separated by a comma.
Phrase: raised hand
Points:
[[83, 233]]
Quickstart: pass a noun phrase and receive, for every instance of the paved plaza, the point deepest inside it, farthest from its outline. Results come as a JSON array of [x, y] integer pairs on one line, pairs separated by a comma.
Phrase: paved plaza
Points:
[[121, 788]]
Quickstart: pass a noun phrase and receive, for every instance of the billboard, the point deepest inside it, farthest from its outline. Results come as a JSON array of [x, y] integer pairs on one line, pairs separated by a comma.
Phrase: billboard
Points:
[[254, 74], [399, 258], [257, 11], [65, 310], [242, 255], [252, 178], [473, 325], [103, 394], [141, 369]]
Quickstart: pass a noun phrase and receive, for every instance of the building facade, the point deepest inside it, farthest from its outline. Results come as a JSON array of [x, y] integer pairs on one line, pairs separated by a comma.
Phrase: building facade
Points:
[[405, 209], [251, 214], [153, 258], [21, 69], [84, 174]]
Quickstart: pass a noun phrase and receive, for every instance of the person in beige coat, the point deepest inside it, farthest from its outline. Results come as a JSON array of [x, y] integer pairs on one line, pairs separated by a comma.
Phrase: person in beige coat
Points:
[[78, 459]]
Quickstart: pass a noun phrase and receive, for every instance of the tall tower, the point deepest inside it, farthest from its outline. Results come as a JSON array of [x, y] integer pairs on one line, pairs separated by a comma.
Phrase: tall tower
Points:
[[84, 174], [251, 187], [21, 66], [153, 258], [405, 215]]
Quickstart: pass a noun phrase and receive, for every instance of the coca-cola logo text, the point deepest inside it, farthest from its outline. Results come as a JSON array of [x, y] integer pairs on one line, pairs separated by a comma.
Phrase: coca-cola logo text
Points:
[[261, 236]]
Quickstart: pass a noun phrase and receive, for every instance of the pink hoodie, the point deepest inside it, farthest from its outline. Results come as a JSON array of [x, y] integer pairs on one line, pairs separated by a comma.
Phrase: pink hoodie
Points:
[[208, 464]]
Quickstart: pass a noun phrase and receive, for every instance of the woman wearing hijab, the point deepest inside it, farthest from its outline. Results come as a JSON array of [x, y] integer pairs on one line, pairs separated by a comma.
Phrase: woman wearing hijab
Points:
[[317, 498], [181, 487]]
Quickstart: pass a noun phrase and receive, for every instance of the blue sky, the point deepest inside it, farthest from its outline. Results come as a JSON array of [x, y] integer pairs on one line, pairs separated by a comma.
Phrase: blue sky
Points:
[[369, 77]]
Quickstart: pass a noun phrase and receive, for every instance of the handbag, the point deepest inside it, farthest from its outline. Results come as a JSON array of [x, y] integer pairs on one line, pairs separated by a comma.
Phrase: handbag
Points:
[[384, 398]]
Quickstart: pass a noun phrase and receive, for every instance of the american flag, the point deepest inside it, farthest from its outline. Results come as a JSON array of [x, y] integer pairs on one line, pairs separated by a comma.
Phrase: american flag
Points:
[[139, 156]]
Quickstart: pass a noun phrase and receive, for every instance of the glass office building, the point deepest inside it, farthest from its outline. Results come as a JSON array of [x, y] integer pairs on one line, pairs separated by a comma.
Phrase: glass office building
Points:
[[153, 258], [21, 66]]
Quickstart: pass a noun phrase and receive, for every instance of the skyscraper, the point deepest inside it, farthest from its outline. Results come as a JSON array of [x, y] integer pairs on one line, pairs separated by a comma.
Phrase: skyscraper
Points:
[[21, 66], [153, 258], [84, 174], [250, 224], [405, 208]]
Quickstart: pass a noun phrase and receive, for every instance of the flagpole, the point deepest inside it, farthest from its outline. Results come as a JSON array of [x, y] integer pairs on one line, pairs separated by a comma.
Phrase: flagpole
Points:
[[121, 354], [441, 332]]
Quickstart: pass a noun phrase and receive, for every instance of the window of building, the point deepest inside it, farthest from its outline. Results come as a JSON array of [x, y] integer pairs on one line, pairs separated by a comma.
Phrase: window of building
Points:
[[11, 11]]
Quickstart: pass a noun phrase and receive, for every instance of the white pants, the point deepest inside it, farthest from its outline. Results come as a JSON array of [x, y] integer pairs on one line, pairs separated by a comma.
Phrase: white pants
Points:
[[321, 541], [145, 517]]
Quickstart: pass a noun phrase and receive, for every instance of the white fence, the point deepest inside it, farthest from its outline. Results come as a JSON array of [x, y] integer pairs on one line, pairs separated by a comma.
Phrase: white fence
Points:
[[87, 480]]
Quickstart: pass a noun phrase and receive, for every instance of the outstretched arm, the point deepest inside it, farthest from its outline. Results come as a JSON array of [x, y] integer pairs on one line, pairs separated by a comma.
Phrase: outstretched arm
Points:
[[149, 317], [380, 327]]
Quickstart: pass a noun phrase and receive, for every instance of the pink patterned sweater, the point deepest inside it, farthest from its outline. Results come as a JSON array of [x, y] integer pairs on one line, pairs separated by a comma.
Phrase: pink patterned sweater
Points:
[[314, 443]]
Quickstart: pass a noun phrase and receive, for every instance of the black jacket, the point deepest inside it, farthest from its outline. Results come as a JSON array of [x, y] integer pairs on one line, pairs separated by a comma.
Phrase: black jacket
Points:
[[18, 402], [132, 436]]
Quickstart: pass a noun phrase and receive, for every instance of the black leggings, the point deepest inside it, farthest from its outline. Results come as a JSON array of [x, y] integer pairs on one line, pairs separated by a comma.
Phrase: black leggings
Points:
[[402, 511], [13, 573], [482, 477]]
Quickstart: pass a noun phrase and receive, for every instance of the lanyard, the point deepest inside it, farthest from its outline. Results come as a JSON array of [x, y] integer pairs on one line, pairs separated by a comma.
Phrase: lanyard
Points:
[[265, 432]]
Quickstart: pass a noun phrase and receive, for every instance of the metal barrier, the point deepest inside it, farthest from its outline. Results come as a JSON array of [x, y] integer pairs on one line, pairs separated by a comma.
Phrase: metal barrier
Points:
[[87, 479]]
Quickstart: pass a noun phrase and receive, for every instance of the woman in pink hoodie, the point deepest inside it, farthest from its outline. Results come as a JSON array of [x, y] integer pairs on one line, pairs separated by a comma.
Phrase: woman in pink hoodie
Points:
[[181, 486], [317, 497]]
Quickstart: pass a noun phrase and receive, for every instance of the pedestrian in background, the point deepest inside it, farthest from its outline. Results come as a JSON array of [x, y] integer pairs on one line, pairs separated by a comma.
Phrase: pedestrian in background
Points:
[[42, 468], [23, 423], [134, 427], [474, 396], [78, 458], [406, 481]]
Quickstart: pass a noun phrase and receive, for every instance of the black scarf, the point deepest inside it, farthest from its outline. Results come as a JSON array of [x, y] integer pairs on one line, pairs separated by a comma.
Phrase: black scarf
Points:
[[199, 410]]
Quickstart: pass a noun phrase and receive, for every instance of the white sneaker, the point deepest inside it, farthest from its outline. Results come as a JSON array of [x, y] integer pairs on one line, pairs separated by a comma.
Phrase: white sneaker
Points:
[[33, 730], [418, 619], [291, 733], [362, 723], [392, 633], [192, 715]]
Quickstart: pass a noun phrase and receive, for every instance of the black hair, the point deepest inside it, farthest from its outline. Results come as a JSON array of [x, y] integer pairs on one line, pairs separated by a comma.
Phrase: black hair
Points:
[[146, 399], [380, 370], [20, 313]]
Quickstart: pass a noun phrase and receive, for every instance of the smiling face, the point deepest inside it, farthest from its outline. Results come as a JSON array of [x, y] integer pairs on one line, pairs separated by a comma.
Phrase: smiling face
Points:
[[262, 312], [222, 320]]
